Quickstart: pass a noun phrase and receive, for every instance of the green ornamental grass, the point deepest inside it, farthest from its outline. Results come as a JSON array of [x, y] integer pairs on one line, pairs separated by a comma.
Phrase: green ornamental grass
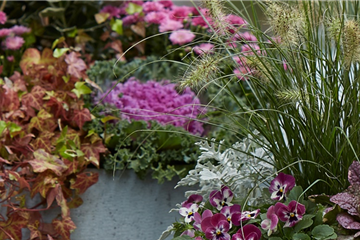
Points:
[[304, 81]]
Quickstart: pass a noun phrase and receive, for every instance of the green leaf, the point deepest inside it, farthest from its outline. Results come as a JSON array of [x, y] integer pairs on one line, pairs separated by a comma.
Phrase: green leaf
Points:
[[295, 194], [80, 89], [109, 118], [57, 41], [2, 126], [301, 236], [322, 232], [58, 52], [117, 26], [275, 238], [13, 128], [304, 223], [72, 33], [133, 8]]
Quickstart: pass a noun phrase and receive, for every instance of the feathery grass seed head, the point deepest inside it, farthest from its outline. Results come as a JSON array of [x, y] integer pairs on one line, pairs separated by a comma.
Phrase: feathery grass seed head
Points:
[[351, 42]]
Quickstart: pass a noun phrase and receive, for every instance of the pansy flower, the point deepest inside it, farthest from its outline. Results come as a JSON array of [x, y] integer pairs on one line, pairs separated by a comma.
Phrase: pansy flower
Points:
[[290, 214], [237, 218], [194, 198], [188, 212], [248, 232], [198, 218], [221, 198], [280, 185], [216, 227], [271, 221], [228, 212]]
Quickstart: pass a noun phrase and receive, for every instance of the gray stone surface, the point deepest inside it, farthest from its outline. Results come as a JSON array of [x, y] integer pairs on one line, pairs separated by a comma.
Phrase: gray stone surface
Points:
[[126, 208]]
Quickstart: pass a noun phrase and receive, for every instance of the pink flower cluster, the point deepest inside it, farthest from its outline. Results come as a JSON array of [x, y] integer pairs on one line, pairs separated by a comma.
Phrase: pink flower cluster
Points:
[[157, 101], [169, 17], [13, 41]]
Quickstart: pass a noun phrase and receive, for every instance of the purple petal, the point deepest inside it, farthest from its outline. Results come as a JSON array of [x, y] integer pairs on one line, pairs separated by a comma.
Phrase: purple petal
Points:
[[281, 211], [282, 180], [206, 223], [270, 211], [235, 208], [215, 198], [226, 193], [207, 213], [294, 206], [217, 218], [249, 231]]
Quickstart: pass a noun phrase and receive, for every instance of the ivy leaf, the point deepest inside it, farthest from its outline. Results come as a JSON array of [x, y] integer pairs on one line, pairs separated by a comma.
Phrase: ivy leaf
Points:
[[30, 57], [34, 98], [42, 184], [117, 26], [2, 126], [75, 65], [92, 151], [43, 141], [75, 202], [44, 161], [81, 116], [80, 89], [84, 181], [64, 226], [58, 52], [101, 17], [133, 8], [61, 201], [12, 227]]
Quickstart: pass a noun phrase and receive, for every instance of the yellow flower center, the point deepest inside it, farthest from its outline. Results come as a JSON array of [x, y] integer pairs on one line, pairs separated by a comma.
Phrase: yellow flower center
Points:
[[292, 215], [190, 213], [218, 232]]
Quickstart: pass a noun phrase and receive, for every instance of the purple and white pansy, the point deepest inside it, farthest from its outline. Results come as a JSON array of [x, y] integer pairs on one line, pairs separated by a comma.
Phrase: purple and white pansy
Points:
[[271, 221], [216, 227], [221, 198], [188, 212], [280, 185], [290, 214]]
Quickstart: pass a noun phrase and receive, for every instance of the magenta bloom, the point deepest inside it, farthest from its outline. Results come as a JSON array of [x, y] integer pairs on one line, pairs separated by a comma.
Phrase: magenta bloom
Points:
[[181, 37], [132, 19], [290, 214], [237, 218], [199, 218], [229, 211], [245, 36], [236, 20], [204, 48], [155, 17], [3, 17], [194, 198], [271, 221], [20, 30], [166, 3], [180, 13], [169, 25], [188, 212], [4, 32], [152, 7], [112, 11], [280, 185], [216, 227], [14, 43], [248, 232], [222, 198]]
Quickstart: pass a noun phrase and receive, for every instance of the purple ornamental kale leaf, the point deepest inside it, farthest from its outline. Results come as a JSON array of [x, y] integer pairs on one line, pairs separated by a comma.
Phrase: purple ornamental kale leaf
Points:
[[354, 173]]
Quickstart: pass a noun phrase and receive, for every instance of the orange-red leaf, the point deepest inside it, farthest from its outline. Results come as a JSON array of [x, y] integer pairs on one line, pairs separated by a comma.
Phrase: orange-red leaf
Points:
[[44, 161], [76, 202], [81, 116], [64, 226], [12, 227], [92, 151], [30, 57], [84, 181]]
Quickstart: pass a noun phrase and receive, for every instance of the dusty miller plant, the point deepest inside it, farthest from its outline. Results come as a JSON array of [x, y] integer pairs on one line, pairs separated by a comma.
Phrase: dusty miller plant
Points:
[[244, 167]]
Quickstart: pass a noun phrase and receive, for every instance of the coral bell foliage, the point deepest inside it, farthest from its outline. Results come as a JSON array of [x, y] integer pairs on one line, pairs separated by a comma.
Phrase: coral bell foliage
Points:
[[44, 150]]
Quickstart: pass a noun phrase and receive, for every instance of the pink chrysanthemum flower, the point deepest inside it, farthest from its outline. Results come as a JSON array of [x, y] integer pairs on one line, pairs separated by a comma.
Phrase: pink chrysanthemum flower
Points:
[[131, 19], [14, 43], [170, 25], [10, 58], [3, 17], [180, 13], [236, 20], [112, 11], [181, 37], [152, 7], [20, 30], [166, 3], [4, 32], [204, 48], [155, 17]]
